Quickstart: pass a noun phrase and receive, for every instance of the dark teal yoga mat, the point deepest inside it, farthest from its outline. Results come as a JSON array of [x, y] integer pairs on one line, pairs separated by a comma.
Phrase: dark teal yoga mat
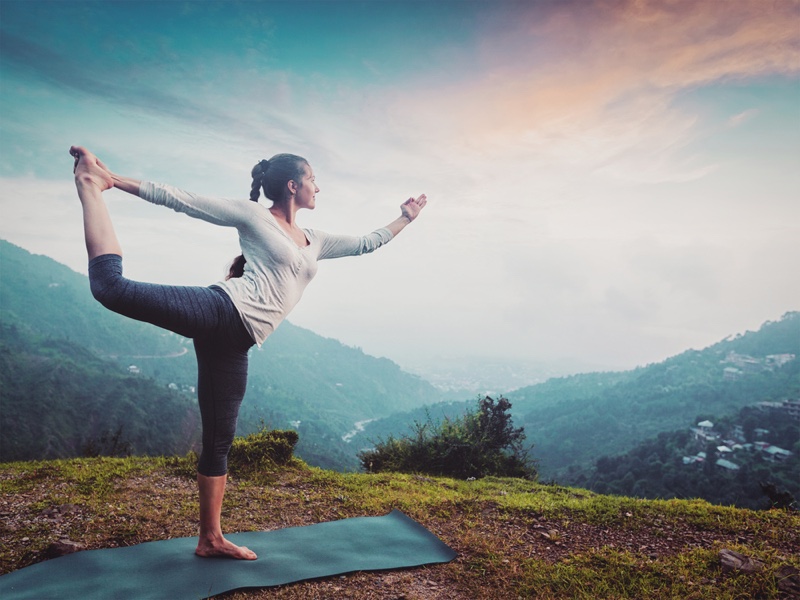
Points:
[[169, 568]]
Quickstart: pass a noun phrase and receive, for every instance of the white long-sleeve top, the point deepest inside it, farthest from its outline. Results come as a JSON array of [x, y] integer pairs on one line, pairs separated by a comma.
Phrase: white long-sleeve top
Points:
[[277, 269]]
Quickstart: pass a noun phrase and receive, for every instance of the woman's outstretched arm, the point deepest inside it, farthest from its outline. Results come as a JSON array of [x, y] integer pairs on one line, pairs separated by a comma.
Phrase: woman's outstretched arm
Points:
[[337, 246], [219, 211]]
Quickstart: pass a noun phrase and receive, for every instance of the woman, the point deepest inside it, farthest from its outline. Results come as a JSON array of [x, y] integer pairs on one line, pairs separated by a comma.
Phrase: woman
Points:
[[224, 320]]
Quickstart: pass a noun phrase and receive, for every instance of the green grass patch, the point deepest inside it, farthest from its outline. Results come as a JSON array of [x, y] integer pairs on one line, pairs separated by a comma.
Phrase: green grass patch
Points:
[[608, 573]]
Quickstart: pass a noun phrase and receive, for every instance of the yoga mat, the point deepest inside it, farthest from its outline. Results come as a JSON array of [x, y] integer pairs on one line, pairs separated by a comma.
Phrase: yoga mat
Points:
[[170, 569]]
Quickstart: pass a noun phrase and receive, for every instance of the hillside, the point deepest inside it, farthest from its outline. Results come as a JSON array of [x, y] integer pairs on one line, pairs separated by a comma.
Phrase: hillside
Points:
[[683, 463], [58, 399], [514, 538], [572, 421], [576, 420], [51, 325]]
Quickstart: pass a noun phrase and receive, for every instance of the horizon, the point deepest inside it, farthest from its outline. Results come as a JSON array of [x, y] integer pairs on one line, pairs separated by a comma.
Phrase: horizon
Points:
[[608, 183], [500, 375]]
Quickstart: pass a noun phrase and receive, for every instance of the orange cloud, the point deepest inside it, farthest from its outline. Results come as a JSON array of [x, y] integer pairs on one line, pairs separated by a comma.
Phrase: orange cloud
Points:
[[607, 72]]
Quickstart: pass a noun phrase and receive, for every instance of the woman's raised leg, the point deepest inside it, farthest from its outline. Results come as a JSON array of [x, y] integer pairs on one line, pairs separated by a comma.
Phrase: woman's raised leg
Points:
[[91, 180]]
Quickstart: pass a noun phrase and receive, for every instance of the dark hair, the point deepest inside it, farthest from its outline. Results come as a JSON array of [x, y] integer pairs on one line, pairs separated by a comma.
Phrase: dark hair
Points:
[[271, 177]]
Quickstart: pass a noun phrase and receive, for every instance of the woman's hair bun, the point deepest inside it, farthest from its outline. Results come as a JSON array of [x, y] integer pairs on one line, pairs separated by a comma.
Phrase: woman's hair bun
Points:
[[260, 168]]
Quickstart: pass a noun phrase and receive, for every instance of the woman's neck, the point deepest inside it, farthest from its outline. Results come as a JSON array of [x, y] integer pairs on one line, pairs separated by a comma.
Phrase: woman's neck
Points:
[[284, 213]]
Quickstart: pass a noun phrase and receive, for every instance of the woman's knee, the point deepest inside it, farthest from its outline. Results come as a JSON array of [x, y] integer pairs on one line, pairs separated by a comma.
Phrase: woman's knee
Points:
[[214, 458], [105, 277]]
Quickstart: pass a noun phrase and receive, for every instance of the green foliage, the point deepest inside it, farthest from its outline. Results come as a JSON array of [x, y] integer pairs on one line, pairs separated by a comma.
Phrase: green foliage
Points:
[[611, 573], [480, 443], [59, 400], [261, 451], [576, 419], [654, 468], [108, 444]]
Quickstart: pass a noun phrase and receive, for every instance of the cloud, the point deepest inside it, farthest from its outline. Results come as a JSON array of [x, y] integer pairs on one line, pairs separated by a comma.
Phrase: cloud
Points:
[[596, 83], [743, 117], [154, 95]]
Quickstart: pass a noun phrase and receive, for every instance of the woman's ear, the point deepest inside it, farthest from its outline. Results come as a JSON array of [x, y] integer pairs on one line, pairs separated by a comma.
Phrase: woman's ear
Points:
[[292, 185]]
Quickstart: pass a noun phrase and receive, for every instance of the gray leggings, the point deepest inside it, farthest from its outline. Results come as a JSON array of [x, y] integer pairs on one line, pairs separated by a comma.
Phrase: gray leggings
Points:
[[209, 317]]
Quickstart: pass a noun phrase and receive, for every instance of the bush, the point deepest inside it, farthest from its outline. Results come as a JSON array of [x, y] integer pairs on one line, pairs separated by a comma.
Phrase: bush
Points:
[[261, 451], [480, 443]]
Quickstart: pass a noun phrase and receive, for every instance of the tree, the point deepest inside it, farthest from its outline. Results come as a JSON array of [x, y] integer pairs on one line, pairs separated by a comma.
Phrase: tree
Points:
[[479, 443]]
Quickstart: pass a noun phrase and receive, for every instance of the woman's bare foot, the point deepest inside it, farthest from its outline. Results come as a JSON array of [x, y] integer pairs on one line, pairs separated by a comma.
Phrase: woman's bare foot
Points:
[[222, 548], [89, 170]]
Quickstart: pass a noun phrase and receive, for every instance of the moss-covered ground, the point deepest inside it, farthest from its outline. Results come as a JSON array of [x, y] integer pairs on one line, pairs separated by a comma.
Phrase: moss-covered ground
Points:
[[515, 538]]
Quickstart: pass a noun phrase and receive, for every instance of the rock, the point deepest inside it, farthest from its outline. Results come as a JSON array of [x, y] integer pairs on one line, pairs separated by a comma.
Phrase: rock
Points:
[[62, 547], [733, 561]]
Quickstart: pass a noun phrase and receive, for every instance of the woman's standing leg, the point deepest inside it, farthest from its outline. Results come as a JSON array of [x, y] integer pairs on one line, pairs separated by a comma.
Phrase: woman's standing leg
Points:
[[221, 382]]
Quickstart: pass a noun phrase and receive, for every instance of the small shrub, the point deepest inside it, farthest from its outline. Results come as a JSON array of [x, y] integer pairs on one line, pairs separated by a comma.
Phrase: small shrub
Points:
[[480, 443], [108, 444], [261, 451]]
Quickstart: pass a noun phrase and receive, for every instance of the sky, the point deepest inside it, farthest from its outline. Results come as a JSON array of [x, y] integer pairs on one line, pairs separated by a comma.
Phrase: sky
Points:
[[610, 181]]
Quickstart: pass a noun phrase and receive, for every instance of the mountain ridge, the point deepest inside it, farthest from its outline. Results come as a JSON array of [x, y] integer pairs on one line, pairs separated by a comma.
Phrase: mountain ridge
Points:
[[573, 420], [298, 379]]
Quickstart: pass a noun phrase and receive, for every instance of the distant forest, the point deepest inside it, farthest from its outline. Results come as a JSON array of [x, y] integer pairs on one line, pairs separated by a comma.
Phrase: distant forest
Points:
[[668, 466]]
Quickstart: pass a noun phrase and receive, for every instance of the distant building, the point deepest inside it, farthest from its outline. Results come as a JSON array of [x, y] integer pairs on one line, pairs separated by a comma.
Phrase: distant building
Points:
[[134, 370], [792, 408], [778, 360], [789, 407], [731, 373], [726, 464], [704, 432], [775, 454], [745, 363]]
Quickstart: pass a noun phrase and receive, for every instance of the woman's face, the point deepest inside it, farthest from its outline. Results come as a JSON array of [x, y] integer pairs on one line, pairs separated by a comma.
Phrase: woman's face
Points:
[[307, 190]]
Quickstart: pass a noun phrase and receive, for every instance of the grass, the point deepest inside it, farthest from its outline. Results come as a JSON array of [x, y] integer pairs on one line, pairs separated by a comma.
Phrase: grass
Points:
[[515, 538]]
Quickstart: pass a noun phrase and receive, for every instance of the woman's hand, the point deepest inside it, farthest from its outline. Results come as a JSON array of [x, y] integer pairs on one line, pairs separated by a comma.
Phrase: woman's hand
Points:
[[412, 207], [409, 210]]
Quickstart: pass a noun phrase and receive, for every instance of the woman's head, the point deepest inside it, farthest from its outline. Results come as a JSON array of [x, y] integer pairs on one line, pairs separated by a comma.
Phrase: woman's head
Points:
[[273, 176]]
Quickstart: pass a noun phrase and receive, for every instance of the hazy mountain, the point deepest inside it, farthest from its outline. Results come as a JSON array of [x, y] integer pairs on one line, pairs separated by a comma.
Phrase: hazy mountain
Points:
[[683, 464], [298, 378], [572, 421], [575, 420]]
